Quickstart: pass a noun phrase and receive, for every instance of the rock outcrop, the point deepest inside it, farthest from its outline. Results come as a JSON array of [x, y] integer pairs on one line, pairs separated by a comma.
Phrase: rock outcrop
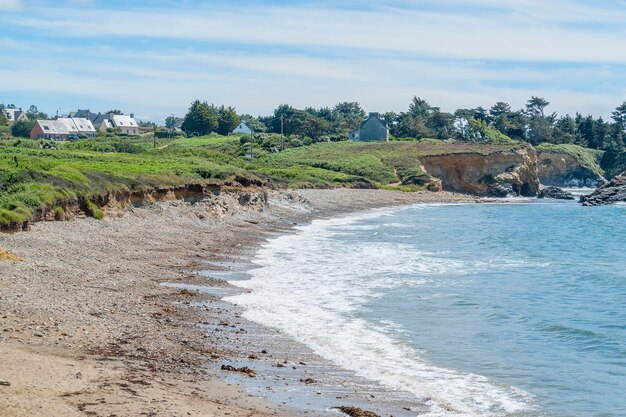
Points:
[[555, 193], [613, 192], [498, 173], [563, 170]]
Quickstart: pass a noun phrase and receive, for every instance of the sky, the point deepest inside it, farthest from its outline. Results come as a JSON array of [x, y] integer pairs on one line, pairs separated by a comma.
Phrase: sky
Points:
[[154, 57]]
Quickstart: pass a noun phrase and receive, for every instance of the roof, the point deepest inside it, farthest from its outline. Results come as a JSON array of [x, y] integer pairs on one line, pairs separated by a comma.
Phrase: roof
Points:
[[56, 127], [85, 114], [83, 124], [97, 121], [66, 126], [374, 116], [123, 121]]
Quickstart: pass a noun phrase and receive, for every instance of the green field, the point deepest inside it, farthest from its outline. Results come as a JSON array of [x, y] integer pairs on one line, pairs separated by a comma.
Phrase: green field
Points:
[[32, 178]]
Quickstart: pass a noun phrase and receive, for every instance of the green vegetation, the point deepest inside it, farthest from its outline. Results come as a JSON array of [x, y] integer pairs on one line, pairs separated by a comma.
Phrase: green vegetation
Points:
[[587, 158], [41, 174]]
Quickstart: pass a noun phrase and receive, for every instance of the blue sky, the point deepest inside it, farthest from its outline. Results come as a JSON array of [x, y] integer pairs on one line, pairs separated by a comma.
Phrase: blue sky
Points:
[[154, 57]]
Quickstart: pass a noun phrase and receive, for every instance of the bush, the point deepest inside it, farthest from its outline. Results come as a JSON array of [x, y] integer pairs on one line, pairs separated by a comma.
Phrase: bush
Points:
[[22, 128]]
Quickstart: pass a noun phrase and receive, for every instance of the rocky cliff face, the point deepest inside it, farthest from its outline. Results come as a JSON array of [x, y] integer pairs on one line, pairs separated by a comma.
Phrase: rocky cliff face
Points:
[[562, 170], [498, 173]]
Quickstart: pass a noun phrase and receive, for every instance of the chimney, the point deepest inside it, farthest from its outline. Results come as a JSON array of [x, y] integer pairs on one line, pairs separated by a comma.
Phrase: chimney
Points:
[[375, 115]]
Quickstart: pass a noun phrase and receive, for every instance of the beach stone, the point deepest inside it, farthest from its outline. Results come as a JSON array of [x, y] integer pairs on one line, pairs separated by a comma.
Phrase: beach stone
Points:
[[613, 192], [4, 383], [356, 412], [555, 193]]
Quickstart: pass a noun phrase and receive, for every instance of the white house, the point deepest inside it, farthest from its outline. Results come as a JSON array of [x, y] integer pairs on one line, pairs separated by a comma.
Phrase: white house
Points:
[[63, 129], [243, 128], [126, 124], [14, 115]]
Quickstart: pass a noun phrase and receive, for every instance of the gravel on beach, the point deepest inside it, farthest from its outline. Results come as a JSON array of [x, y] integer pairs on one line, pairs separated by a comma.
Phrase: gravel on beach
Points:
[[87, 329]]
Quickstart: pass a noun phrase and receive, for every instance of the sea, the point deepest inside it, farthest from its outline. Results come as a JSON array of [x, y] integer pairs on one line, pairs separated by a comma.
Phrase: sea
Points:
[[514, 309]]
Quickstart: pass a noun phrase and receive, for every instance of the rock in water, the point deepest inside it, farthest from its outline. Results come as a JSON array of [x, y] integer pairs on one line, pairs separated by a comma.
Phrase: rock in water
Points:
[[556, 193], [356, 412], [613, 192]]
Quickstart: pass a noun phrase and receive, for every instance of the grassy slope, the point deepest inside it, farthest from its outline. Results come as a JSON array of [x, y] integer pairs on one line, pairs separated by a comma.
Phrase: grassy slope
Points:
[[32, 178], [381, 163], [588, 158]]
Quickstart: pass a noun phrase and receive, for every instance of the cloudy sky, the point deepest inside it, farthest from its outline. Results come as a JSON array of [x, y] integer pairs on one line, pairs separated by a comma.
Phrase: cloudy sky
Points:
[[153, 57]]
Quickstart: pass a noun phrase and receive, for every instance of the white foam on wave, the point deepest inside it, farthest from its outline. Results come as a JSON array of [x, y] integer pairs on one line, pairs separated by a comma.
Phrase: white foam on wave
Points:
[[310, 285]]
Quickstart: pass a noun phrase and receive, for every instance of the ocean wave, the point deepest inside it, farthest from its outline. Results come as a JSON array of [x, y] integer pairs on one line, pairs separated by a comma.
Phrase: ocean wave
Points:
[[312, 286]]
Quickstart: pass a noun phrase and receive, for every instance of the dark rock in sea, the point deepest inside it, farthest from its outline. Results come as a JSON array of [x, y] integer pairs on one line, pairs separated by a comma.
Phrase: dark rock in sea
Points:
[[356, 412], [555, 193], [613, 192]]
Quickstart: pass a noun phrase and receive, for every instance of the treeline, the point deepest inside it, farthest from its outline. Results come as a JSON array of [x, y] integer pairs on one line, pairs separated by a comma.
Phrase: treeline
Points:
[[500, 122]]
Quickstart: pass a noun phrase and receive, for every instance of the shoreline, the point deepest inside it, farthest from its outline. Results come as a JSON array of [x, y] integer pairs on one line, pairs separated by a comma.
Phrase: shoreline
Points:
[[87, 329]]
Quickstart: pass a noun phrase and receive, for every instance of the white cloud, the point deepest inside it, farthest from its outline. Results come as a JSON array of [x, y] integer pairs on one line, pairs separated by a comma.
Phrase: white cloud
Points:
[[535, 32], [10, 4], [314, 56]]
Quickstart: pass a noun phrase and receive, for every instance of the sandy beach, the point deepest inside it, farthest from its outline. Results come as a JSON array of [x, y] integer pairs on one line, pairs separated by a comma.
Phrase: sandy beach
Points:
[[86, 328]]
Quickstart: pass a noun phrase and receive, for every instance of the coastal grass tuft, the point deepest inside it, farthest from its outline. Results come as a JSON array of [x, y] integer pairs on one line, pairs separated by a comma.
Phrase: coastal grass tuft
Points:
[[7, 256]]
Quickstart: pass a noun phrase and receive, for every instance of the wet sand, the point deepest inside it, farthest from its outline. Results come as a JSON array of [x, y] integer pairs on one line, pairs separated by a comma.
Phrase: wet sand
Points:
[[88, 328]]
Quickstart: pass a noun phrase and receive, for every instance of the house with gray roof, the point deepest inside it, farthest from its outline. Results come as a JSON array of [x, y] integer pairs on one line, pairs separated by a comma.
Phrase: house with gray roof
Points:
[[374, 128], [243, 128], [63, 129]]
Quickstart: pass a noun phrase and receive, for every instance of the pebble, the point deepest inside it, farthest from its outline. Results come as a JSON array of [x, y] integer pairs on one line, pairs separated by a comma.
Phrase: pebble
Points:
[[4, 383]]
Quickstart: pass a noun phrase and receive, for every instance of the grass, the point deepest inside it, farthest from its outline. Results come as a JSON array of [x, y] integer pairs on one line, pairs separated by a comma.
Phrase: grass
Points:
[[587, 158], [6, 256], [380, 163], [36, 175]]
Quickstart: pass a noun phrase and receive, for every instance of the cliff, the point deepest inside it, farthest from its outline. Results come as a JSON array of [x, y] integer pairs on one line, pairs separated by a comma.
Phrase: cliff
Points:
[[569, 166], [498, 173]]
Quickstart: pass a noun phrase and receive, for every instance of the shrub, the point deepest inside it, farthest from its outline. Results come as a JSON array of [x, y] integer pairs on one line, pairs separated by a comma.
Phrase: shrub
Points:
[[22, 128]]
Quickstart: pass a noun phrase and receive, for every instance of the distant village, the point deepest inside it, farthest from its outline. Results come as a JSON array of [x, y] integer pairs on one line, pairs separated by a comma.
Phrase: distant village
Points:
[[84, 124], [75, 125]]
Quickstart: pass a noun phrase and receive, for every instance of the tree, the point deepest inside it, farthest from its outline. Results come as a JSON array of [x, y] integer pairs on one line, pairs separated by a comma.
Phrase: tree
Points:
[[348, 116], [441, 123], [564, 130], [535, 106], [201, 119], [116, 112], [600, 131], [228, 120], [32, 112], [3, 117], [22, 128], [171, 121], [420, 108], [254, 123], [619, 115]]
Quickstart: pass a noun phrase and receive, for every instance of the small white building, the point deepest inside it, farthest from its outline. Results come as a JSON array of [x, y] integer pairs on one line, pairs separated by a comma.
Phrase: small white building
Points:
[[126, 124], [14, 115], [243, 128]]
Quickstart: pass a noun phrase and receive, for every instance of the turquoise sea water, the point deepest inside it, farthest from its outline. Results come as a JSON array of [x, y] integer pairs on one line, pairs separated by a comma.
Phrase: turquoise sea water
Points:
[[477, 310]]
